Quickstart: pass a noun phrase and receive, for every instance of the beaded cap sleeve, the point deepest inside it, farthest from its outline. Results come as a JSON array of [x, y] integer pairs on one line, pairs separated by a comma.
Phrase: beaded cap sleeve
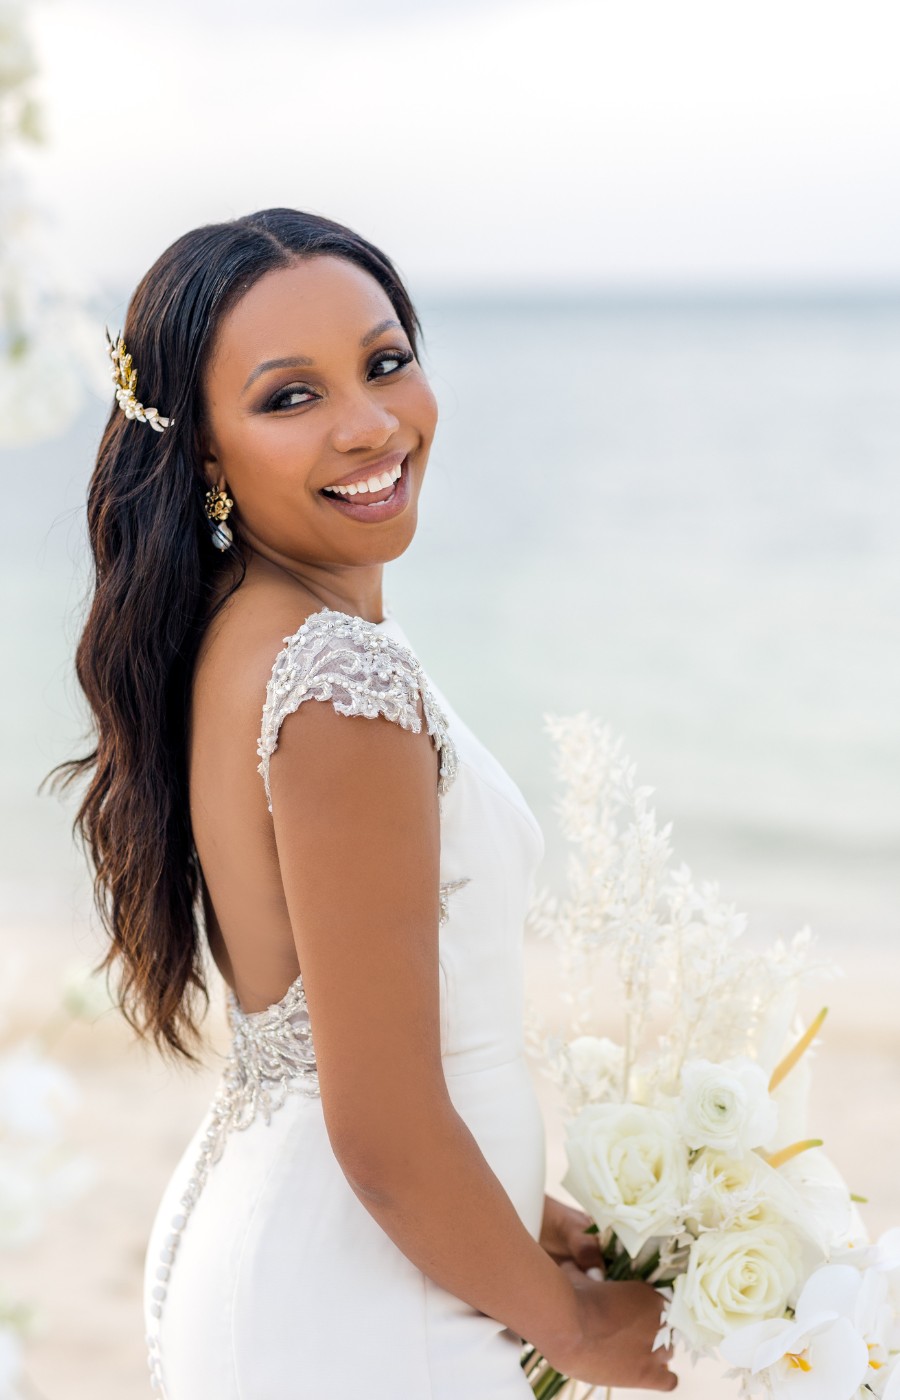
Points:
[[335, 656]]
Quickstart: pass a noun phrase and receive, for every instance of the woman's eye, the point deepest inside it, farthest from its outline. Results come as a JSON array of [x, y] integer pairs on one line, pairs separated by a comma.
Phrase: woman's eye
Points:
[[389, 361], [292, 397]]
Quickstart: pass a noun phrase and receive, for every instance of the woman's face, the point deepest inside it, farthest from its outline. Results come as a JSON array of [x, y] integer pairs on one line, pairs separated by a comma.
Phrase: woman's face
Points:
[[312, 384]]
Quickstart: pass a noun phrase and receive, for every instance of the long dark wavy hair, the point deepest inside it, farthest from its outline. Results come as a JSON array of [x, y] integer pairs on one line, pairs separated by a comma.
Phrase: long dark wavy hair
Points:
[[150, 602]]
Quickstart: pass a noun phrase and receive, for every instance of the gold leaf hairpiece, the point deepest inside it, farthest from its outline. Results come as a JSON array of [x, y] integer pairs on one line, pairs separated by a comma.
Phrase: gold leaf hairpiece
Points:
[[125, 378]]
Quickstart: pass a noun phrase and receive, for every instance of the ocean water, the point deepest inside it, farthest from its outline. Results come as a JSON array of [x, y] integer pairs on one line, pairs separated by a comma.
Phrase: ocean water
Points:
[[680, 515]]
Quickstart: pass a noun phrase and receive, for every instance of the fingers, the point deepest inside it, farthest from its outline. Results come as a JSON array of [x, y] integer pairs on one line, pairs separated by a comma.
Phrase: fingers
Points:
[[667, 1380]]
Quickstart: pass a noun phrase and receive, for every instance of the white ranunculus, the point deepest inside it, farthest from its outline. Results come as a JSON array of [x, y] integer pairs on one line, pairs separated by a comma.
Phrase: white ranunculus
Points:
[[726, 1106], [628, 1169], [593, 1067], [733, 1278]]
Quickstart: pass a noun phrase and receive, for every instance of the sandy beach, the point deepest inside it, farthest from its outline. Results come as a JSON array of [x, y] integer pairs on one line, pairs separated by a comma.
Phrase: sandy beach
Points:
[[135, 1117]]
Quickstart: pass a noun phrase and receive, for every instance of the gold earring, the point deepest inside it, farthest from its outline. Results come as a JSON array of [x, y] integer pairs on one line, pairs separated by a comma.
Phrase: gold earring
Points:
[[218, 504]]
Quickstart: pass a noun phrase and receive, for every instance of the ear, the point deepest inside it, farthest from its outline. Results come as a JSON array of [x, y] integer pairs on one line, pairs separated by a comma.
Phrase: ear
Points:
[[212, 469]]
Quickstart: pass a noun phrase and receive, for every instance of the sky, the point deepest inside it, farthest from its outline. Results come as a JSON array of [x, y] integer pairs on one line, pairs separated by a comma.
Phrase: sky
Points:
[[484, 144]]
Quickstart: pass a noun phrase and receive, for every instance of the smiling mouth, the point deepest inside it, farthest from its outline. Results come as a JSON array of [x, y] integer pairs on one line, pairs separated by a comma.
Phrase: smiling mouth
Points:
[[371, 490]]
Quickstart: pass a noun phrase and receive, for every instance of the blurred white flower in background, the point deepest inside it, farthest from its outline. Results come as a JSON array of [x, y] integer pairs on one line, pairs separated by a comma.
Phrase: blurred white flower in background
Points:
[[10, 1360], [35, 1093], [47, 337], [590, 1070], [39, 1170]]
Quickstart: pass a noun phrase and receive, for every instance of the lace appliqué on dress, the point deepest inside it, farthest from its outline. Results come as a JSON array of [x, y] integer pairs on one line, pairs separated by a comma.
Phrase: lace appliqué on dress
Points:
[[270, 1056], [346, 660]]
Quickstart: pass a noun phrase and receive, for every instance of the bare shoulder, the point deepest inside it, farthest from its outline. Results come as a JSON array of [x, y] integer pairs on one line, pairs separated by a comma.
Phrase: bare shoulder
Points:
[[240, 646], [247, 634]]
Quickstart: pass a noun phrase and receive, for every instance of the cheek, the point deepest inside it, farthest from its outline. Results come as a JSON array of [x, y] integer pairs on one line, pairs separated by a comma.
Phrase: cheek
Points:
[[420, 406], [270, 450]]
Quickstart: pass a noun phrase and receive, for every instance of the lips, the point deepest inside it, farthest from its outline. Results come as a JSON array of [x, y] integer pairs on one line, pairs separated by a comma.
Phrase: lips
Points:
[[370, 479], [375, 487], [373, 506]]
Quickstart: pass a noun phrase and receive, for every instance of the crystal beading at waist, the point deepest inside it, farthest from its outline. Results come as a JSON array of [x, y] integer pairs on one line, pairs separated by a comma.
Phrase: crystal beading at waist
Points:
[[271, 1055], [269, 1051]]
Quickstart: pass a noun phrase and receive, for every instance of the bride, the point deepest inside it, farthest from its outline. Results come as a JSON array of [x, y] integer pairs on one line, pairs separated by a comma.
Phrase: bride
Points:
[[361, 1210]]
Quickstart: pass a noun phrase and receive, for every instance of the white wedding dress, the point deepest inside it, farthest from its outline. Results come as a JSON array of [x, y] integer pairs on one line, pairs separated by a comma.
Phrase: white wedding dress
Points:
[[265, 1276]]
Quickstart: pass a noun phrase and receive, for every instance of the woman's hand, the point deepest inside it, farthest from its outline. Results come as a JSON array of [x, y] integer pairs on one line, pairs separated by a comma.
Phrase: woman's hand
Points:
[[563, 1236], [618, 1325]]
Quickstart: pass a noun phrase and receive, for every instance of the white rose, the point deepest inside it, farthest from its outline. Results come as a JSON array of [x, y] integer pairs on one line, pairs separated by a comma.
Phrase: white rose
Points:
[[726, 1106], [733, 1278], [742, 1193], [592, 1072], [628, 1169], [733, 1192]]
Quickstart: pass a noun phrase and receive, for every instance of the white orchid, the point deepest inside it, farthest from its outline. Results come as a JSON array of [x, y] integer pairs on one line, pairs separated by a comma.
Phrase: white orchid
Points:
[[834, 1343]]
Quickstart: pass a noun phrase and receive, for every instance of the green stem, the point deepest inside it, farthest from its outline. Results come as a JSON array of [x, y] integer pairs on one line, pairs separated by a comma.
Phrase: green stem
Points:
[[550, 1384]]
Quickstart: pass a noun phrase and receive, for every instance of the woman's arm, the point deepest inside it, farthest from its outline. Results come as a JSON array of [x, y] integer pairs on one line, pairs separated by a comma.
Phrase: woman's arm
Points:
[[356, 823]]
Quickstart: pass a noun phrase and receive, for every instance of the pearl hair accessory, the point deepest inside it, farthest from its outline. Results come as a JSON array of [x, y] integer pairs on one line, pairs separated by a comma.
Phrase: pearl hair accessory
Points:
[[125, 378]]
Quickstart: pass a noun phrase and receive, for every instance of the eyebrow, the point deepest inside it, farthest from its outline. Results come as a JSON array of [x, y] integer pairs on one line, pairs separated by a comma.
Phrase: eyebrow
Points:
[[294, 361]]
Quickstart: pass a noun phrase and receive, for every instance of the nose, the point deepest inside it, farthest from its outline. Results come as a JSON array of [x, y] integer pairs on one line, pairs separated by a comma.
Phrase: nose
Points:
[[363, 421]]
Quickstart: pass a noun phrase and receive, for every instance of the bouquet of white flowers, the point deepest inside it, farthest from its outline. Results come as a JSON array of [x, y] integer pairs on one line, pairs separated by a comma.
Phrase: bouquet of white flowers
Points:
[[688, 1145]]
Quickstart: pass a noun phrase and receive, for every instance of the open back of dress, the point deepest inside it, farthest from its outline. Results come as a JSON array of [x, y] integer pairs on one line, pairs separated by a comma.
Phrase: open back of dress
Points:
[[265, 1277]]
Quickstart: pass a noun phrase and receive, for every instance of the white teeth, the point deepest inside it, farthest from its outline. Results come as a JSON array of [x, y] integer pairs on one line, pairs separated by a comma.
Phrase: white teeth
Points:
[[375, 483]]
